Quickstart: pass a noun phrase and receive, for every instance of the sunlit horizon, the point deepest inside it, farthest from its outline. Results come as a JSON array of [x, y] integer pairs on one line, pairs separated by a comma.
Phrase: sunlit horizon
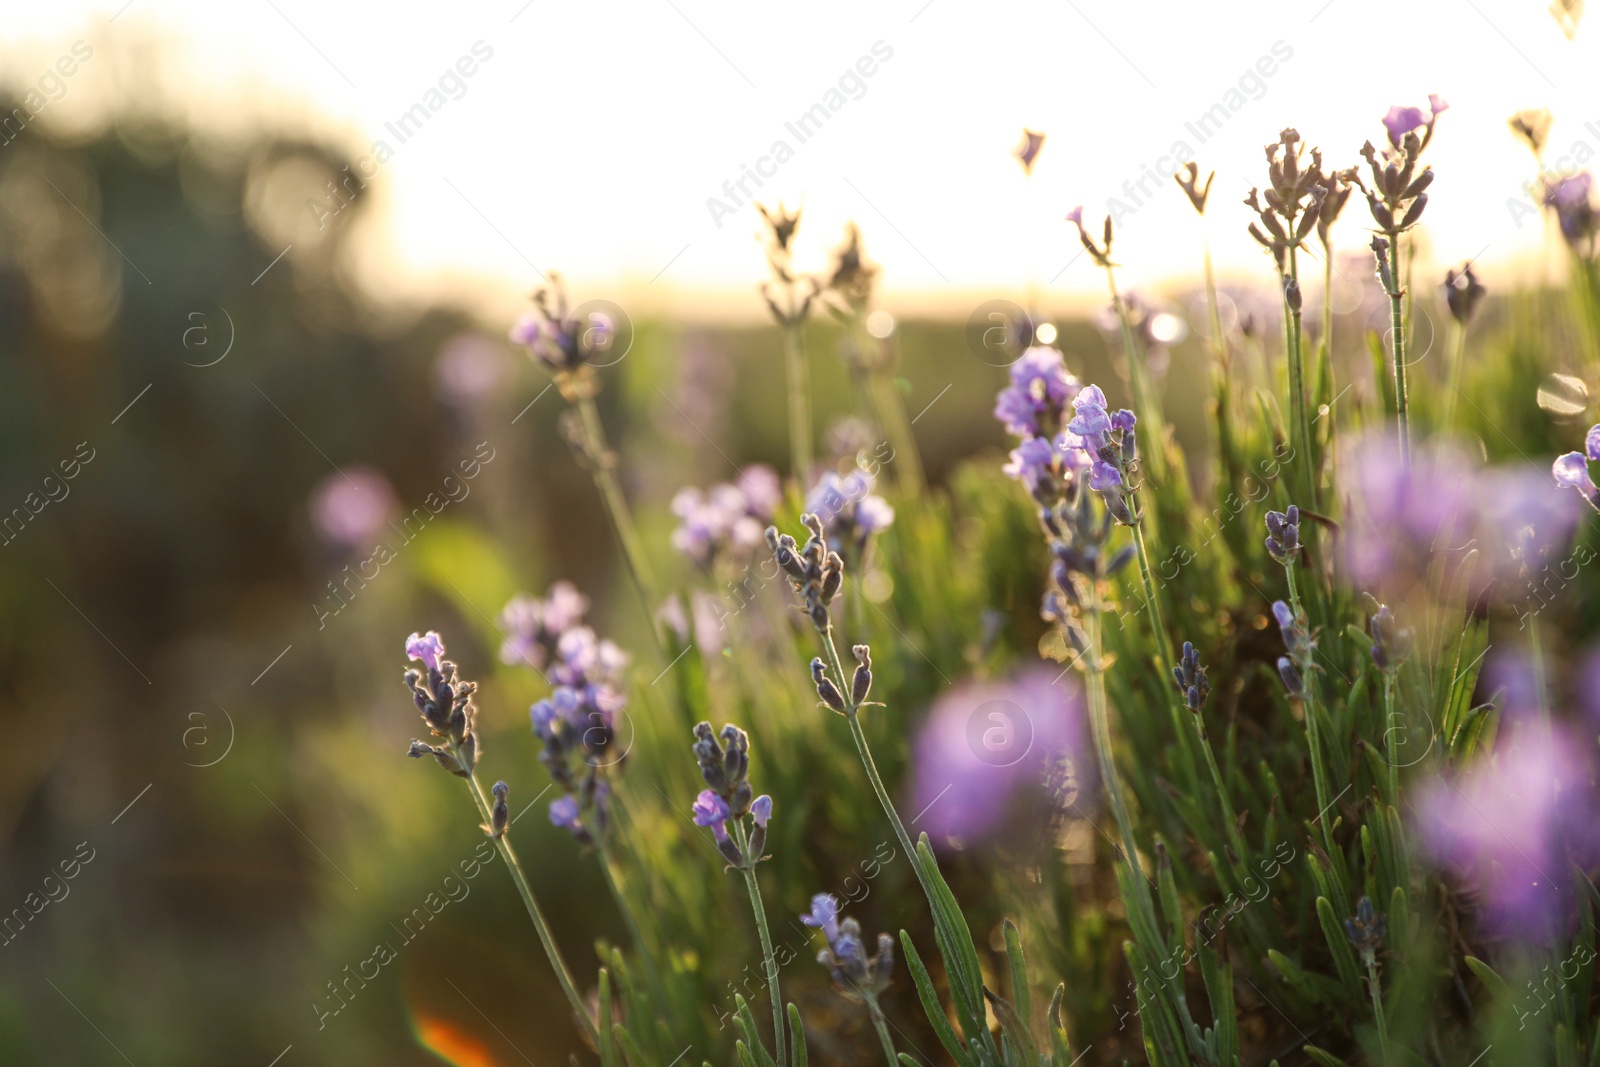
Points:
[[501, 143]]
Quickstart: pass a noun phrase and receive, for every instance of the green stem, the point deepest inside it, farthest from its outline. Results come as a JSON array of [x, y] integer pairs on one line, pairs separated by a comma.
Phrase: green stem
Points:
[[1397, 330], [1297, 389], [1389, 719], [794, 354], [502, 844], [1158, 622], [1453, 387], [769, 960], [1144, 400], [1306, 666], [605, 479], [881, 1024], [891, 412], [1100, 727], [632, 922], [1377, 1006]]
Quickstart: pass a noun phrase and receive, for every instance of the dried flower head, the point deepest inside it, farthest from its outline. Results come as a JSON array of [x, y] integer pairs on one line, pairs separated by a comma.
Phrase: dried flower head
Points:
[[1294, 195], [1188, 179], [445, 702]]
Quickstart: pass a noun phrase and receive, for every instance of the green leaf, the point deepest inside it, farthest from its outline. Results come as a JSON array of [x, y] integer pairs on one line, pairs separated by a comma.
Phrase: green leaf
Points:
[[955, 946], [630, 1048], [1014, 1029], [1061, 1052], [1344, 958], [1019, 970], [609, 1056], [930, 1004], [1498, 987], [797, 1039], [1326, 1059]]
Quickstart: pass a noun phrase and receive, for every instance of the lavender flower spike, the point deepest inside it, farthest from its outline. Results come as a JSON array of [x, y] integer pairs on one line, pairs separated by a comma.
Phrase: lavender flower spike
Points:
[[1283, 535], [1571, 471]]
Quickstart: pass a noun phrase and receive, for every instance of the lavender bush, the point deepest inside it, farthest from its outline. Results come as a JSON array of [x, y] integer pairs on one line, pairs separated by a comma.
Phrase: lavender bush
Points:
[[1211, 725]]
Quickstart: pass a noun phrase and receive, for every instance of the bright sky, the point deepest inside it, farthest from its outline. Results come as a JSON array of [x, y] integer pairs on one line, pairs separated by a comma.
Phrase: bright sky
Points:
[[590, 136]]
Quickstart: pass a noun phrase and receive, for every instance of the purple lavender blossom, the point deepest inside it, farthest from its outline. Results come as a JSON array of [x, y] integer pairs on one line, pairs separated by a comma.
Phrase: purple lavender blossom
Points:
[[1399, 516], [427, 649], [1402, 120], [824, 915], [761, 810], [1040, 389], [349, 507], [711, 811], [470, 369], [982, 743], [1571, 471], [730, 520], [1513, 824], [1570, 198], [850, 512], [564, 812], [533, 627]]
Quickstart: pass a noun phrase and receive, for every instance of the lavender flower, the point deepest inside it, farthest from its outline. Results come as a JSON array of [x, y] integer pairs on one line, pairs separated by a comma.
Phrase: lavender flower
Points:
[[982, 743], [445, 702], [1391, 645], [815, 572], [850, 512], [350, 507], [1190, 678], [726, 522], [566, 346], [857, 976], [1107, 440], [470, 368], [534, 627], [1366, 928], [729, 795], [1571, 471], [1572, 201], [1033, 407], [1028, 151], [1403, 120], [577, 722], [1462, 293], [1283, 535], [1513, 824]]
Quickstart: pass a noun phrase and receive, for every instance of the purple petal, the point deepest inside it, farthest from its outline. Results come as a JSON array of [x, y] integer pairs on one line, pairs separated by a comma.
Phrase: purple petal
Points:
[[1571, 471], [426, 648]]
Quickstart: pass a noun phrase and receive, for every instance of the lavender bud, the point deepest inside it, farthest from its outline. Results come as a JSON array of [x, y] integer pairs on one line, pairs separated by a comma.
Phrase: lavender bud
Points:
[[1291, 677], [469, 750], [832, 577], [1291, 294], [825, 688], [1283, 535], [1190, 678], [1366, 928], [730, 852], [501, 813], [861, 681]]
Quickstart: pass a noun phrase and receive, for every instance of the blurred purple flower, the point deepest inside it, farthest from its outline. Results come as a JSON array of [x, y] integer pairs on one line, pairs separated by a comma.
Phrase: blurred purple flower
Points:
[[564, 812], [982, 742], [850, 512], [1028, 150], [1571, 471], [1402, 120], [534, 627], [349, 507], [470, 369], [730, 520], [1570, 198], [824, 915], [1514, 823], [1040, 389]]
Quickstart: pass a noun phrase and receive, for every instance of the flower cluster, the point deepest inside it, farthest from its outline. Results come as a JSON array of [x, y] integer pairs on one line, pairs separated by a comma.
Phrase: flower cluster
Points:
[[534, 628], [1033, 407], [1397, 196], [1283, 535], [850, 511], [577, 721], [730, 797], [1107, 439], [1293, 667], [445, 702], [1391, 644], [1078, 532], [857, 976], [1571, 471], [1190, 678], [726, 521], [815, 571], [567, 346], [1294, 199], [1515, 823]]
